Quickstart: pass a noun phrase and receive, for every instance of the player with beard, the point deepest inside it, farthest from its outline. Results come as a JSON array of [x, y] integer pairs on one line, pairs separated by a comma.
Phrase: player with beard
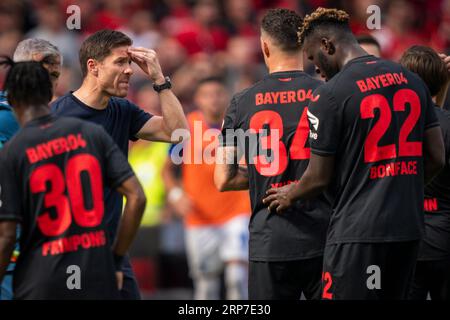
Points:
[[375, 142], [285, 250]]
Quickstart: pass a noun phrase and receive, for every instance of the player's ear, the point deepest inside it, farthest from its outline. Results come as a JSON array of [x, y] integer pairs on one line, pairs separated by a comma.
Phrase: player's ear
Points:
[[327, 46], [265, 48], [92, 66]]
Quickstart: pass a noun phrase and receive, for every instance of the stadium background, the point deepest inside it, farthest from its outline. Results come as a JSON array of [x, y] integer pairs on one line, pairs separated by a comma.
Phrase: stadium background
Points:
[[195, 40]]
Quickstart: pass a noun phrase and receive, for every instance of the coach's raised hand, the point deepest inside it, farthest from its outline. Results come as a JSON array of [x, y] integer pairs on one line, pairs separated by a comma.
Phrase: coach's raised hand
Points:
[[147, 60]]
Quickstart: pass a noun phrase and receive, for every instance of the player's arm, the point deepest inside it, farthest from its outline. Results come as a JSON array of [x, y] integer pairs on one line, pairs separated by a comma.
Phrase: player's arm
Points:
[[159, 128], [314, 181], [7, 242], [132, 190], [434, 153], [228, 173], [325, 121]]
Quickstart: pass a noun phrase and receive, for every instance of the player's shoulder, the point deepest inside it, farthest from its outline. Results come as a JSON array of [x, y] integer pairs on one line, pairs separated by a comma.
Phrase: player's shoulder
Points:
[[60, 102], [310, 80], [245, 93]]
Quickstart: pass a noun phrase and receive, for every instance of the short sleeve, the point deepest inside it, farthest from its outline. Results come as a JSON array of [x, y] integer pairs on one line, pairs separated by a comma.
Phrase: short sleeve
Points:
[[229, 125], [325, 121], [138, 118], [10, 202], [117, 168]]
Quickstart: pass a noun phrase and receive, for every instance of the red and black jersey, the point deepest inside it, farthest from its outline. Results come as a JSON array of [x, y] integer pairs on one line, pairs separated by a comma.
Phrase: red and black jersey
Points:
[[436, 242], [371, 117], [273, 113], [52, 175]]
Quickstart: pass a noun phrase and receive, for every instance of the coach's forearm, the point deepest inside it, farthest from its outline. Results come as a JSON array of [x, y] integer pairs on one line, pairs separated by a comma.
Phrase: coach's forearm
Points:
[[172, 112]]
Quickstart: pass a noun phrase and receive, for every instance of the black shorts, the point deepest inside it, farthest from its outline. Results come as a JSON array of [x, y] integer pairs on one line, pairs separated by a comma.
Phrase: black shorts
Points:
[[285, 280], [368, 271], [431, 277]]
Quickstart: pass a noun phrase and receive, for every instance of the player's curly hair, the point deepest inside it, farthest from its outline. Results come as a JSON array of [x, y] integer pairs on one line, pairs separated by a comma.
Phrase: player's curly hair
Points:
[[322, 16], [27, 83]]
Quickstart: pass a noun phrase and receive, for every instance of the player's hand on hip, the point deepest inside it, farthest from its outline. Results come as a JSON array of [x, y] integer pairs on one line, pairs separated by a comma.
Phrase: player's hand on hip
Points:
[[147, 60], [278, 199], [119, 279]]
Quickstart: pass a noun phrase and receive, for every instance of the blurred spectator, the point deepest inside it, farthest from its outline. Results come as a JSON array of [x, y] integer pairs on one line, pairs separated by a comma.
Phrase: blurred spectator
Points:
[[216, 223], [202, 32], [240, 18], [398, 33], [369, 44], [52, 27]]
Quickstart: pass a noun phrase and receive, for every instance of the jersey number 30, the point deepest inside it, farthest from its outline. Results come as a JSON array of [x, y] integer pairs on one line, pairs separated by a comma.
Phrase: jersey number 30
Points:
[[50, 174]]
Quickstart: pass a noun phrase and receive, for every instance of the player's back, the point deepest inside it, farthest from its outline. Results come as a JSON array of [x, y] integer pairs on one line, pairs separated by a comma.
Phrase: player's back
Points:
[[60, 168], [373, 121], [275, 111]]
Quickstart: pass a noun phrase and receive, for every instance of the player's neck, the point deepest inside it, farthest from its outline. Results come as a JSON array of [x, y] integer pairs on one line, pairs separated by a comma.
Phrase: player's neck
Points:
[[282, 63], [91, 95], [25, 115]]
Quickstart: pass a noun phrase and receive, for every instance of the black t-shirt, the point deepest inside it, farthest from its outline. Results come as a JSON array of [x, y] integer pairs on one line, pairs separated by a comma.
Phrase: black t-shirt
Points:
[[122, 120], [372, 116], [278, 102], [51, 176], [436, 243]]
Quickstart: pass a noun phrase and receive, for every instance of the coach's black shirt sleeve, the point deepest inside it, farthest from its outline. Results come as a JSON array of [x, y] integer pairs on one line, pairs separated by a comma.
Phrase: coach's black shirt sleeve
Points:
[[138, 119], [10, 204], [325, 121]]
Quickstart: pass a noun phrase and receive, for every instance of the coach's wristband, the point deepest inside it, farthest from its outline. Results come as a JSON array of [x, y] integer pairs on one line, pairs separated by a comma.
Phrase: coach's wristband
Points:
[[118, 262]]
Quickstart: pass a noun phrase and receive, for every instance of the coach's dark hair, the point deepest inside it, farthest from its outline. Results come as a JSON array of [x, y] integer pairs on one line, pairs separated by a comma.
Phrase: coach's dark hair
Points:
[[282, 26], [27, 83], [99, 45], [324, 21], [428, 65]]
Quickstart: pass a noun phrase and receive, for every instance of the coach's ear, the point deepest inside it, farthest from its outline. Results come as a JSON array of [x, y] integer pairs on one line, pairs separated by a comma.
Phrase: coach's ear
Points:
[[327, 46], [92, 67]]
